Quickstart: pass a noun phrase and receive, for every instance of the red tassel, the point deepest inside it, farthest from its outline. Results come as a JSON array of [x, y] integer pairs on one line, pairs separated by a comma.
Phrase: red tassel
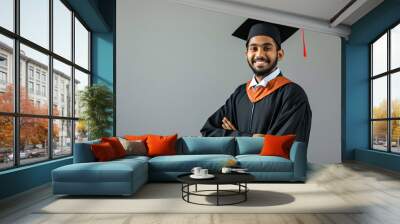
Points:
[[304, 43]]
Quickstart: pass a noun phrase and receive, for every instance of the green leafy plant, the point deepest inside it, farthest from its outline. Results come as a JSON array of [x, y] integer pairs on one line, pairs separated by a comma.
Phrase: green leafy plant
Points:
[[96, 102]]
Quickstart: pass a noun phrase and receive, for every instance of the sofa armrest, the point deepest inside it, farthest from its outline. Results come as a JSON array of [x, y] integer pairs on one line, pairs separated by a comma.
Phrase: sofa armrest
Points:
[[83, 152], [298, 155]]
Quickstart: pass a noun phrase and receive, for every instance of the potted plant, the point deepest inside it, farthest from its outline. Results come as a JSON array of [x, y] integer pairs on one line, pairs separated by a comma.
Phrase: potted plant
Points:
[[96, 102]]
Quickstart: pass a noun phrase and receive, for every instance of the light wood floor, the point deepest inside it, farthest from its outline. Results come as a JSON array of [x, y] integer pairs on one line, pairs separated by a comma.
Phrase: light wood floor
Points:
[[351, 181]]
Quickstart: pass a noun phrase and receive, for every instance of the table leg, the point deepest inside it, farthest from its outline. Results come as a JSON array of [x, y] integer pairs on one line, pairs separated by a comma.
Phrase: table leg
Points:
[[188, 190], [196, 188], [245, 193], [217, 194]]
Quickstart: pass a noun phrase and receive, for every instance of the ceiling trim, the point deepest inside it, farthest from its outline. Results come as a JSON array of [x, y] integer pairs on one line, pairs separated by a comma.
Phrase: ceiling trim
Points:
[[346, 12], [270, 15]]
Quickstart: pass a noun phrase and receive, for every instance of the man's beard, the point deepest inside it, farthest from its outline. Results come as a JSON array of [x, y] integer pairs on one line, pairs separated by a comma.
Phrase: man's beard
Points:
[[263, 72]]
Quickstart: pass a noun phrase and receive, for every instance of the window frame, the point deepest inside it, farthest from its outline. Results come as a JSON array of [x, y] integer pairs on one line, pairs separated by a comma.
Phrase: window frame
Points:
[[388, 74], [16, 114]]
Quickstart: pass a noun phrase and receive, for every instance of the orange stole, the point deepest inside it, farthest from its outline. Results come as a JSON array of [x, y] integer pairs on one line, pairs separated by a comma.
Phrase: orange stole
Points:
[[259, 93]]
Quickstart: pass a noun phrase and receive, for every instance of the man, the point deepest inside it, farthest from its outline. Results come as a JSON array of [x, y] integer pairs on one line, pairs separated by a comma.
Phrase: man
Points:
[[269, 103]]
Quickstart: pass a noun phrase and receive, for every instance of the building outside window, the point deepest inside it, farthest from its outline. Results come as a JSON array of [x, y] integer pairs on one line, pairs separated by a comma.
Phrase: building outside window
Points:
[[3, 78], [3, 72], [30, 72], [37, 75], [38, 89], [3, 61], [43, 90], [30, 87], [44, 77], [3, 81], [55, 95]]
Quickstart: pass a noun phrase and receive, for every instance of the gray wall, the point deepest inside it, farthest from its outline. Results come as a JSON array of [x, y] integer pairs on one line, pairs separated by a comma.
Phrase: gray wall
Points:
[[176, 65], [320, 76]]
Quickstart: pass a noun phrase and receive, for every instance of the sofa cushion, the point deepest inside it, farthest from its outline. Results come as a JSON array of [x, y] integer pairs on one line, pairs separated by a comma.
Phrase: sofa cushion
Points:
[[206, 145], [111, 171], [185, 163], [249, 145], [132, 158], [257, 163]]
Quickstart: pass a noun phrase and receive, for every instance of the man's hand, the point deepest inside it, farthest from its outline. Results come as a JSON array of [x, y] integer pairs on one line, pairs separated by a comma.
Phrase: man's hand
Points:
[[227, 125], [258, 135]]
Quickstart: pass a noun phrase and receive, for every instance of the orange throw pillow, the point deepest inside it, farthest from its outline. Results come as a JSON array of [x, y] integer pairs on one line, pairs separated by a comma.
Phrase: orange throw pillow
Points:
[[136, 137], [161, 145], [275, 145], [116, 145], [103, 152]]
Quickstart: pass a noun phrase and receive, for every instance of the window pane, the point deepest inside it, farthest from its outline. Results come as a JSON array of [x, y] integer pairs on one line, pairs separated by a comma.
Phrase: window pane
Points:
[[62, 29], [62, 89], [7, 14], [395, 136], [62, 138], [81, 45], [34, 78], [379, 55], [379, 97], [6, 74], [33, 140], [379, 135], [81, 81], [395, 94], [6, 142], [395, 47], [35, 21], [81, 131]]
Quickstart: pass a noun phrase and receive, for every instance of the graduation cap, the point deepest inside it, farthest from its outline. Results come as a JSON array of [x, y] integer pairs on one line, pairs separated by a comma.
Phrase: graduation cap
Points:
[[253, 27], [243, 30]]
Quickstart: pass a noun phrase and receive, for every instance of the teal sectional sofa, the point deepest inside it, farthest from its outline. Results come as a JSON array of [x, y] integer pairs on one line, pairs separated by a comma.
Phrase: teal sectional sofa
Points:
[[125, 176]]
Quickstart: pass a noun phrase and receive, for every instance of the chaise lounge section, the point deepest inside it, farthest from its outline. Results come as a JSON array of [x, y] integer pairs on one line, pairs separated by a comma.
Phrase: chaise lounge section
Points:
[[88, 177]]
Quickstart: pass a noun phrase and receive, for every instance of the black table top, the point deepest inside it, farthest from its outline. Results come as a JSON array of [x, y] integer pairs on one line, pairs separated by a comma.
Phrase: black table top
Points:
[[220, 178]]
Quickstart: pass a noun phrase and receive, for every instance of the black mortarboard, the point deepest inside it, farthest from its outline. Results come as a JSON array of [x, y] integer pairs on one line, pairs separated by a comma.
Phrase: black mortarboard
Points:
[[252, 27]]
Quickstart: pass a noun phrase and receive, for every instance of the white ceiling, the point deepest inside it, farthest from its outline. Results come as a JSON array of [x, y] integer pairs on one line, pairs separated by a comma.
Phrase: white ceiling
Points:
[[318, 9], [314, 15]]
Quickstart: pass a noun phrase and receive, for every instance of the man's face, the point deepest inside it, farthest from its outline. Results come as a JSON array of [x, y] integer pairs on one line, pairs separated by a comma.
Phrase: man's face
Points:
[[262, 55]]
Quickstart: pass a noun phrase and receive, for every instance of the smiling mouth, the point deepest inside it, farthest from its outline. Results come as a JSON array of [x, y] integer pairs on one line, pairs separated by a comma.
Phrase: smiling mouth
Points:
[[260, 63]]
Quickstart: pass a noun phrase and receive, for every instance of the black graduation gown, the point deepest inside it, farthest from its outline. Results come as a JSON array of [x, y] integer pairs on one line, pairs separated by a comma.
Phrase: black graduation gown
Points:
[[284, 111]]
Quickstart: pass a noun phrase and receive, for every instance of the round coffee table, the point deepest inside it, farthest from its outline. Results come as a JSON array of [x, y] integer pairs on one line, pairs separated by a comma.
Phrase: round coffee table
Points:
[[238, 179]]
